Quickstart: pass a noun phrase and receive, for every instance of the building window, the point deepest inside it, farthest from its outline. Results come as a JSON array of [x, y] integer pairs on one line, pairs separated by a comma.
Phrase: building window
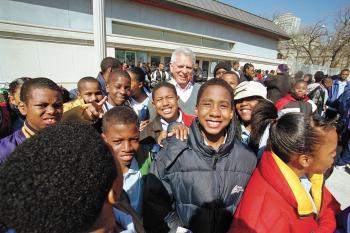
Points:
[[182, 38], [120, 55], [155, 60], [141, 57], [136, 31], [125, 29], [130, 58], [167, 61], [217, 44]]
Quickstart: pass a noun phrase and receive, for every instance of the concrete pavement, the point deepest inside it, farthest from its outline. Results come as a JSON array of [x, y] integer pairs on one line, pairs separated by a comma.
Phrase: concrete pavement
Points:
[[339, 185]]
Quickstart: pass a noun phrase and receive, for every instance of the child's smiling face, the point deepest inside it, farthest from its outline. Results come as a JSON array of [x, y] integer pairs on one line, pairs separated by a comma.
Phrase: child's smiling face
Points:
[[118, 89], [165, 103], [214, 110]]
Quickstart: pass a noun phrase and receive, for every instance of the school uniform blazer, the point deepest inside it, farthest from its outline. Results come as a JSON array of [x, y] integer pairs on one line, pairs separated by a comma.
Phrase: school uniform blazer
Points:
[[152, 130], [9, 143]]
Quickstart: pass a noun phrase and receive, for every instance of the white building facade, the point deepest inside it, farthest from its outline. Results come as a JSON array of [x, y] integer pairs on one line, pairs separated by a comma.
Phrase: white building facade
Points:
[[54, 39]]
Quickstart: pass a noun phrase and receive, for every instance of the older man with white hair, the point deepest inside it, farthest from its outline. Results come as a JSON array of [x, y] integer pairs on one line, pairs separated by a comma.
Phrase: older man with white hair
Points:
[[181, 68]]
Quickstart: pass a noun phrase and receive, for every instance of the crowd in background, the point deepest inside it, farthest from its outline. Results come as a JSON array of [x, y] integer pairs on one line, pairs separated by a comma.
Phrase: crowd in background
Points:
[[165, 149]]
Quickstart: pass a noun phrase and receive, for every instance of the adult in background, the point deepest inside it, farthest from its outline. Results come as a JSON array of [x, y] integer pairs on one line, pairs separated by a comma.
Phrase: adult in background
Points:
[[278, 86], [159, 75], [107, 65], [235, 68], [181, 68], [339, 86], [248, 72], [308, 78], [198, 74], [258, 76], [318, 91], [299, 75], [343, 107], [221, 68]]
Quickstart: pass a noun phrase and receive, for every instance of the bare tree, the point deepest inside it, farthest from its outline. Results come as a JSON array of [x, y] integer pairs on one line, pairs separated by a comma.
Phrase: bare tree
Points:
[[340, 40], [310, 41], [306, 45], [315, 44]]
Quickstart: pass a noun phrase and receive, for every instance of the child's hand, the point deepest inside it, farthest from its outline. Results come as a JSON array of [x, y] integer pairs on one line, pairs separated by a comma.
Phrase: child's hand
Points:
[[180, 131], [143, 124], [94, 110], [161, 136]]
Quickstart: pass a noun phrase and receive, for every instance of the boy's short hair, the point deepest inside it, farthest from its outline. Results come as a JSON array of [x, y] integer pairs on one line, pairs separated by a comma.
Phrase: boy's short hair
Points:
[[215, 82], [119, 115], [117, 74], [86, 80], [110, 62], [319, 75], [140, 75], [37, 83], [297, 134], [56, 181], [164, 84]]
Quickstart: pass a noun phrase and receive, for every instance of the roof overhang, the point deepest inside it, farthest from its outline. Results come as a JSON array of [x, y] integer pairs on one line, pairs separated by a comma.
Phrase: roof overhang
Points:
[[173, 5]]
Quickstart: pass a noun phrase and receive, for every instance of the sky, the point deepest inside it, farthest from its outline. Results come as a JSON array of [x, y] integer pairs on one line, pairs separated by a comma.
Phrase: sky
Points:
[[310, 11]]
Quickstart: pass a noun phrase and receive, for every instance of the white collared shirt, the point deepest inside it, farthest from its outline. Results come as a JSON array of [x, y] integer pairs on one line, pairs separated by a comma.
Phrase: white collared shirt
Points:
[[133, 186], [165, 124], [245, 134], [107, 106], [305, 182], [185, 93], [138, 106]]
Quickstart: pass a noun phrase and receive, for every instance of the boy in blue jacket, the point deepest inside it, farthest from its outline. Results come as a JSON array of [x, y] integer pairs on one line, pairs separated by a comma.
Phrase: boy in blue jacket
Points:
[[197, 183]]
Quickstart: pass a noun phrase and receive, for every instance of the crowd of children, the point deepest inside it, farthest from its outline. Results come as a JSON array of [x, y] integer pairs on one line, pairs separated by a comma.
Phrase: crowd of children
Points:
[[234, 154]]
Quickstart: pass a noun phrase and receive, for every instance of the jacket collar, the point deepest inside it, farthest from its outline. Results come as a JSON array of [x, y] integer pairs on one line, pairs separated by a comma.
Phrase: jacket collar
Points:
[[283, 179], [196, 141]]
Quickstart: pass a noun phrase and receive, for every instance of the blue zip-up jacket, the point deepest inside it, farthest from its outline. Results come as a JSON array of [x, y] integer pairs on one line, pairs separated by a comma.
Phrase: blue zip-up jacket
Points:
[[191, 185]]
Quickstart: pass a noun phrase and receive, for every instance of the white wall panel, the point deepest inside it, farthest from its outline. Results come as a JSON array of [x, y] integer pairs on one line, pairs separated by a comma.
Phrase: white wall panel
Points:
[[63, 63]]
